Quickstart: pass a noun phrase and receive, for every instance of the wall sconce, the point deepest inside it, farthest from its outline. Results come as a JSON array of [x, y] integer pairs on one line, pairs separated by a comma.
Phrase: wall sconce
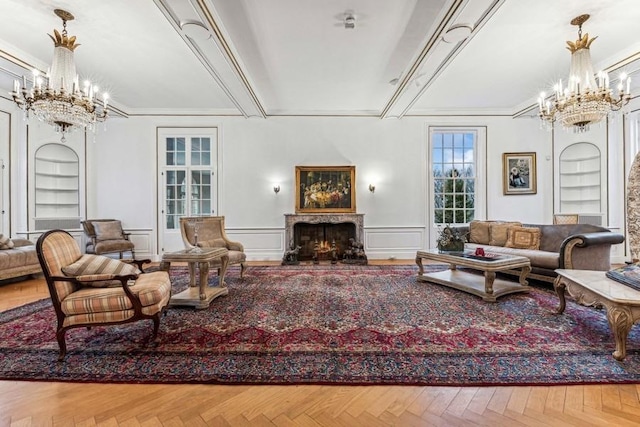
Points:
[[372, 188], [276, 188]]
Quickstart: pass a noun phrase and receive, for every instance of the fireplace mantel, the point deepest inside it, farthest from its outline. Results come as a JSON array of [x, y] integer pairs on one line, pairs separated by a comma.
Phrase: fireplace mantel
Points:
[[323, 218]]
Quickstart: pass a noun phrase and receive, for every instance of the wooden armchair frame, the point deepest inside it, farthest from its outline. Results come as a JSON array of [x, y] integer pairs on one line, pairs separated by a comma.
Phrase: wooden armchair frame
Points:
[[57, 249]]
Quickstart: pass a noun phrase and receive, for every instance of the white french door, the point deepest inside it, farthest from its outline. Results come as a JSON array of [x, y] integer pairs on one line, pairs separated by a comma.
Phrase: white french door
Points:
[[187, 181]]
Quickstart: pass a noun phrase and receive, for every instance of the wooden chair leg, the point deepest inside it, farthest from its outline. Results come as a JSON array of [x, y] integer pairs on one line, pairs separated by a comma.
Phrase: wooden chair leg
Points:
[[156, 326], [62, 344], [242, 269]]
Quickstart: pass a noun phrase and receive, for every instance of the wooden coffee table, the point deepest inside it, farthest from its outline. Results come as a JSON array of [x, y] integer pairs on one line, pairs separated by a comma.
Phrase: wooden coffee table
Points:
[[198, 297], [487, 287], [594, 288]]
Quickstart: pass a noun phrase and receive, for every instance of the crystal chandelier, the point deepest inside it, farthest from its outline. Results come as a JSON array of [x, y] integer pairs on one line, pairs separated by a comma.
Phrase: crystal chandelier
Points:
[[57, 97], [584, 100]]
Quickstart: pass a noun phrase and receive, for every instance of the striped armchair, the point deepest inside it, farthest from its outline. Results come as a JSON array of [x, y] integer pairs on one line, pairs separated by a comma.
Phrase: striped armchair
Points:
[[88, 290]]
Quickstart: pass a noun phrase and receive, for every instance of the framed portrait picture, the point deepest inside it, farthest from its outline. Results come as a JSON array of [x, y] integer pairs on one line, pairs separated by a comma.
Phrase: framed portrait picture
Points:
[[325, 189], [519, 173]]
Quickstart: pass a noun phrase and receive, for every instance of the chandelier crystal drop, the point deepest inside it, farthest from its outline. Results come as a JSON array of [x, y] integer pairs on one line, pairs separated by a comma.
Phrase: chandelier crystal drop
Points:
[[58, 98], [584, 100]]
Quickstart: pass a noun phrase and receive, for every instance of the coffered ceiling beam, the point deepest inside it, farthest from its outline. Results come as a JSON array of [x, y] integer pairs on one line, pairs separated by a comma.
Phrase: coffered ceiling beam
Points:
[[214, 52], [437, 54]]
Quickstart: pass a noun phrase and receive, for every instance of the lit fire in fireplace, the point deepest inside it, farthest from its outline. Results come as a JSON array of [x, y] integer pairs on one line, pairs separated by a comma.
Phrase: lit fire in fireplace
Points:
[[324, 247], [325, 250]]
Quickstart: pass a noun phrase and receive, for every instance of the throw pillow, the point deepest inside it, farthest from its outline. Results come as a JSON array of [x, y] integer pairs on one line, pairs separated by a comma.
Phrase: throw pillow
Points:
[[523, 238], [479, 232], [498, 232], [89, 264], [108, 230], [5, 242]]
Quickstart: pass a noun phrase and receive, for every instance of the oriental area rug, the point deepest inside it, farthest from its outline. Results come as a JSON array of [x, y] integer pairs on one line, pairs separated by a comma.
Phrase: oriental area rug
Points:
[[331, 324]]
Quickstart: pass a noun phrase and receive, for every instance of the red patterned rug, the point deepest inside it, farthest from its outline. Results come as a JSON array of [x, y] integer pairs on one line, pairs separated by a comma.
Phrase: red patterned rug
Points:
[[328, 324]]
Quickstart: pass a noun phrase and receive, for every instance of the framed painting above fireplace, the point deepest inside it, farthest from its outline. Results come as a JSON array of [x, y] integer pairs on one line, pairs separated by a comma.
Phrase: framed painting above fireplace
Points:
[[325, 189]]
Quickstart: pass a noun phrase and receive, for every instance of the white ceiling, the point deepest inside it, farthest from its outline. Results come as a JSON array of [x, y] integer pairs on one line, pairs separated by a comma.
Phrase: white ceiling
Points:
[[271, 57]]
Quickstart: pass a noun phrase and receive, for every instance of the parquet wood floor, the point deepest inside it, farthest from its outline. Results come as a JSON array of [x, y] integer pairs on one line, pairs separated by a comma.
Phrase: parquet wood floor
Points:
[[25, 403]]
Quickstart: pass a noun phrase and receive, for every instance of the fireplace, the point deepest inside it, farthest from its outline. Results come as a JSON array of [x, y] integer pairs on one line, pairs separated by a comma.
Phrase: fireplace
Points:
[[321, 240], [318, 234]]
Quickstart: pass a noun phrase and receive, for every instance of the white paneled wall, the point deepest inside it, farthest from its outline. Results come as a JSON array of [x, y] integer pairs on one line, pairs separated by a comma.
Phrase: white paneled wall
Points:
[[121, 175], [256, 153]]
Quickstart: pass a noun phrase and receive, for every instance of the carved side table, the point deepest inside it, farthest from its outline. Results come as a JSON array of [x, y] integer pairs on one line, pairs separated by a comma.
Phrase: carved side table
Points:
[[594, 288], [199, 297]]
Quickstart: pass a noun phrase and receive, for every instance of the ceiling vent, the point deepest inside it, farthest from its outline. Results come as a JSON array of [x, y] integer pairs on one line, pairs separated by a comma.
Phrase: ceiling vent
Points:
[[349, 21], [457, 33]]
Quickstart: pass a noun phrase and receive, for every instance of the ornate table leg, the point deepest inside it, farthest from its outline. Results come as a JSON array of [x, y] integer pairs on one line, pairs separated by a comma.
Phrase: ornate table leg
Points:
[[523, 275], [489, 277], [420, 266], [223, 270], [165, 265], [560, 287], [620, 322], [204, 278], [192, 274]]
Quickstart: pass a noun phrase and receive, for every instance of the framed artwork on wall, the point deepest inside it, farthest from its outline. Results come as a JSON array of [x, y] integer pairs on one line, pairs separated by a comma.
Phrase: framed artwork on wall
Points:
[[519, 173], [329, 189]]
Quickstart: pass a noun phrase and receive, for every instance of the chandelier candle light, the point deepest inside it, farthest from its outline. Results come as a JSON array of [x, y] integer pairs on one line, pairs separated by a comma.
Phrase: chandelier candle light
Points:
[[584, 100], [57, 98]]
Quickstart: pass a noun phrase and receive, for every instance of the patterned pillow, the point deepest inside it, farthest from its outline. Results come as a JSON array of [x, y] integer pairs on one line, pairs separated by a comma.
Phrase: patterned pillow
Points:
[[108, 230], [499, 232], [89, 264], [5, 242], [523, 238]]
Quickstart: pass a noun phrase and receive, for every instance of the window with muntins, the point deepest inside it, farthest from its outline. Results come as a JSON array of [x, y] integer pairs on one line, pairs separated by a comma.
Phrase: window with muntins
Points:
[[453, 164], [188, 178]]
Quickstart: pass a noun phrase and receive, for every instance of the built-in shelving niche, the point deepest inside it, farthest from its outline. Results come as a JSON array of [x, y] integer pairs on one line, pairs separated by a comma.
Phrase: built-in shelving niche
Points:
[[581, 179], [57, 187]]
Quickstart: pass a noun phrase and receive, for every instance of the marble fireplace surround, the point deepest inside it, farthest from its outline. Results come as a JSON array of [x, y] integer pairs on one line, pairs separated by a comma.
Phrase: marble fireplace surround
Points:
[[322, 218]]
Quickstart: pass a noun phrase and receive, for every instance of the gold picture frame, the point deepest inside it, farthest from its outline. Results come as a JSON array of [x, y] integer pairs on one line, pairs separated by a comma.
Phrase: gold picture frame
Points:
[[519, 173], [325, 189]]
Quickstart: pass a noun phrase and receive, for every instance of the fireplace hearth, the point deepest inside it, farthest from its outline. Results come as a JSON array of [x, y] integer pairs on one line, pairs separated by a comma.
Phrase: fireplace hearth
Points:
[[323, 237], [322, 241]]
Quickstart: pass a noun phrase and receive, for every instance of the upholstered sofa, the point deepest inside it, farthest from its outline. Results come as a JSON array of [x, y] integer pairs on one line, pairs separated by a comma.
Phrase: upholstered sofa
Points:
[[20, 260], [548, 247]]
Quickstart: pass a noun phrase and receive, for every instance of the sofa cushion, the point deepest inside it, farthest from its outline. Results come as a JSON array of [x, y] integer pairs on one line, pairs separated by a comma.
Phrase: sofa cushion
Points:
[[523, 238], [12, 259], [498, 232], [108, 230], [5, 242], [537, 258], [90, 265], [479, 232]]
